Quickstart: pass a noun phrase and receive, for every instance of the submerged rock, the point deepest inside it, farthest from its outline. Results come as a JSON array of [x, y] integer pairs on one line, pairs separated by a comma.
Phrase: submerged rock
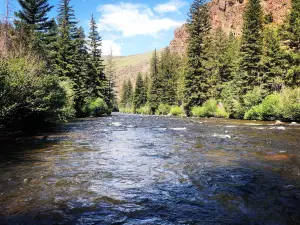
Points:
[[278, 122]]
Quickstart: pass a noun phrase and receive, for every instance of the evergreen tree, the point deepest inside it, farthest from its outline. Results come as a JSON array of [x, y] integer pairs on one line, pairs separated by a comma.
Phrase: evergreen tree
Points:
[[33, 17], [155, 89], [50, 45], [222, 63], [196, 81], [129, 94], [110, 74], [66, 18], [139, 93], [251, 46], [126, 94], [146, 85], [272, 61], [168, 66], [80, 75], [124, 90], [97, 81], [293, 40], [34, 12], [65, 58]]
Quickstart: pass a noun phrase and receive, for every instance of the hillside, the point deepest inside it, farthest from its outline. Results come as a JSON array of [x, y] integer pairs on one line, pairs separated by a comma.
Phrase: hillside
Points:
[[128, 67]]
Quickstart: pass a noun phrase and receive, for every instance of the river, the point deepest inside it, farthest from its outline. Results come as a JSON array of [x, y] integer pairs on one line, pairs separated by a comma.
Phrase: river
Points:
[[131, 169]]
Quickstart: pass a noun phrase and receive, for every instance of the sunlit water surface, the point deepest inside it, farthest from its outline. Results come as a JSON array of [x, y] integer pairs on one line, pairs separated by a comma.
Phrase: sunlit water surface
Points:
[[130, 169]]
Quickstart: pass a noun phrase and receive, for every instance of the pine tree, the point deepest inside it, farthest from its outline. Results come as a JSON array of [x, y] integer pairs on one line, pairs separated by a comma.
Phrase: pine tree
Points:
[[139, 93], [293, 40], [80, 75], [66, 18], [97, 81], [272, 61], [124, 90], [33, 17], [251, 46], [196, 81], [50, 45], [34, 12], [111, 74], [65, 58], [222, 63], [168, 68], [129, 94], [155, 90]]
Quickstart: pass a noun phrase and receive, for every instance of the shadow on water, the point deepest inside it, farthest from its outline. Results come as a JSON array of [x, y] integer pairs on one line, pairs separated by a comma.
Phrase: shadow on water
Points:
[[154, 170]]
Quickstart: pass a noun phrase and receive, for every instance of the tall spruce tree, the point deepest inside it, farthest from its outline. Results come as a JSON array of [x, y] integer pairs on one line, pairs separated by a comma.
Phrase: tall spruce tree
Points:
[[168, 67], [293, 40], [129, 94], [34, 12], [110, 73], [123, 96], [196, 80], [222, 62], [97, 81], [80, 75], [140, 97], [33, 17], [155, 89], [50, 45], [65, 57], [272, 61], [251, 46]]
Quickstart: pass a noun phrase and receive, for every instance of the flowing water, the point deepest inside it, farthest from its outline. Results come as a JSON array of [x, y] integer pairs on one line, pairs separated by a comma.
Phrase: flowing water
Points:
[[130, 169]]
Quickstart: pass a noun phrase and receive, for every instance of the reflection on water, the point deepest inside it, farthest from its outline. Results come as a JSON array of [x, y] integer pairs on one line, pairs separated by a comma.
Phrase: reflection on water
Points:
[[129, 169]]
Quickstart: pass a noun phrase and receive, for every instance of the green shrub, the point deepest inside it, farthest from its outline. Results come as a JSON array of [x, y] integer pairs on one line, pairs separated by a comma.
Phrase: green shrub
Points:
[[29, 96], [269, 109], [207, 110], [176, 111], [254, 113], [163, 109], [254, 97], [145, 110], [230, 98], [98, 107], [210, 106], [238, 110], [126, 110], [221, 113], [290, 104], [199, 111]]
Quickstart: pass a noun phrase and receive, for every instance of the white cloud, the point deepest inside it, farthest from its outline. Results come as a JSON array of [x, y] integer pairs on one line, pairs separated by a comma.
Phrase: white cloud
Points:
[[171, 6], [107, 45], [133, 19]]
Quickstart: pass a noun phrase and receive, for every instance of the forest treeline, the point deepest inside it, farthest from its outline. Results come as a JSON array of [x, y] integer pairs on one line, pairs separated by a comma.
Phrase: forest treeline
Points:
[[255, 76], [49, 70]]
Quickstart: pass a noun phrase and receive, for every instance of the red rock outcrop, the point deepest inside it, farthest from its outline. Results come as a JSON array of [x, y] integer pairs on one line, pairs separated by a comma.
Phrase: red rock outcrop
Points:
[[228, 14]]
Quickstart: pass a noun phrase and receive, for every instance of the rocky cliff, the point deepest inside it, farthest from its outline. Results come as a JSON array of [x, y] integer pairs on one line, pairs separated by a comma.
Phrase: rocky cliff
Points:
[[228, 14]]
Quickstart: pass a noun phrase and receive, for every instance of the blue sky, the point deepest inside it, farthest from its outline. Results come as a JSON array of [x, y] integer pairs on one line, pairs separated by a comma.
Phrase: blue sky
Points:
[[128, 26]]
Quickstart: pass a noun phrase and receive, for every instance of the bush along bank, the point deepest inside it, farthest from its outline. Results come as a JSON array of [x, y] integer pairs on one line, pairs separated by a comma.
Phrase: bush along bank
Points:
[[256, 105]]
